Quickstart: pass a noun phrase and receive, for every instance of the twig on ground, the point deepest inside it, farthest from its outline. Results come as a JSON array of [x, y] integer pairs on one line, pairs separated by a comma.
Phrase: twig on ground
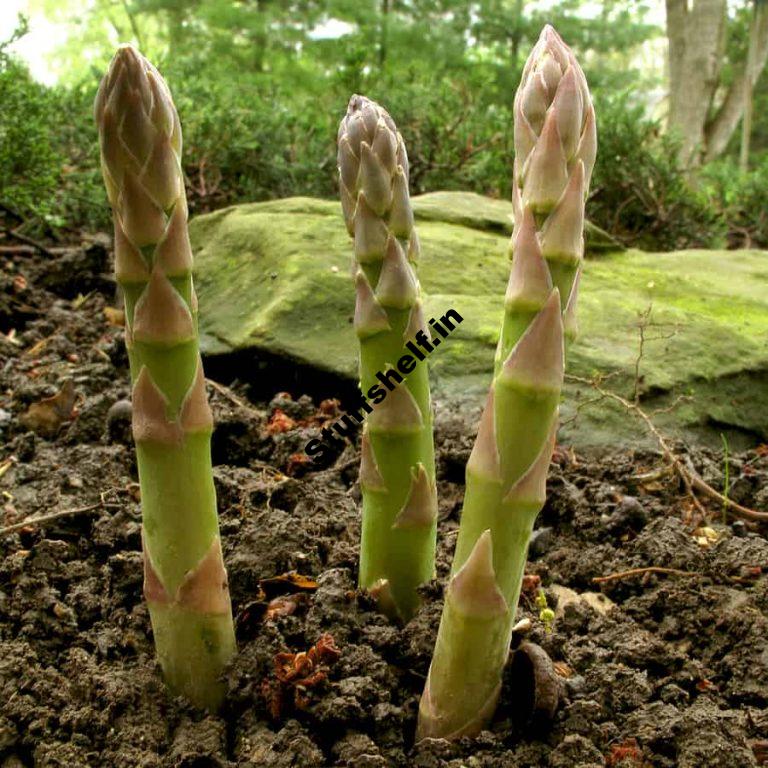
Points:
[[233, 398], [14, 249], [30, 241], [45, 519], [654, 474], [641, 572], [690, 478], [671, 407], [641, 325], [739, 510], [644, 322], [354, 461], [687, 473], [580, 407]]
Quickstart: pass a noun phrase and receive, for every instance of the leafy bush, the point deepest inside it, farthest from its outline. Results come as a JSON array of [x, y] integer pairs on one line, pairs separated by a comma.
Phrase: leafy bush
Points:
[[257, 138], [80, 197], [639, 192], [49, 172], [249, 139], [29, 159], [743, 198], [260, 136], [455, 139]]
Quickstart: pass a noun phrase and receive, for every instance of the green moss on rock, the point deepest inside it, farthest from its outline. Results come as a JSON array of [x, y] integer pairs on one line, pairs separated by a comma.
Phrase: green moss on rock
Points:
[[275, 277]]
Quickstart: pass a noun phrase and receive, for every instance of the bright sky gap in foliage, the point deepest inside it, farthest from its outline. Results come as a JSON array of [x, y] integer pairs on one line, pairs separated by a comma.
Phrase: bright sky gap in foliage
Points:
[[47, 35]]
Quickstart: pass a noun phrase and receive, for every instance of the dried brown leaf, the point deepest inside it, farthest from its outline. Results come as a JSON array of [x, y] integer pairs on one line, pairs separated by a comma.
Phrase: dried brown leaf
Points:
[[46, 416]]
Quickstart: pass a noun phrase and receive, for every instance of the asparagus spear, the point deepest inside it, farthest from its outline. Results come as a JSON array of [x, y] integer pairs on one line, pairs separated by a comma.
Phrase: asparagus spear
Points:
[[555, 145], [185, 583], [397, 472]]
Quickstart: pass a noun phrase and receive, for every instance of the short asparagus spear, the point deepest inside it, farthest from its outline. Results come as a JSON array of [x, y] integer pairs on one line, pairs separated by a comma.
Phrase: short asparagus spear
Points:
[[397, 472], [185, 583], [555, 146]]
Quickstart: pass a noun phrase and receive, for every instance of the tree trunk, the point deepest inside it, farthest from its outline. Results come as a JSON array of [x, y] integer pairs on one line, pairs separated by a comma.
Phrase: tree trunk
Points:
[[737, 102], [516, 35], [384, 34], [696, 33], [134, 26], [749, 83]]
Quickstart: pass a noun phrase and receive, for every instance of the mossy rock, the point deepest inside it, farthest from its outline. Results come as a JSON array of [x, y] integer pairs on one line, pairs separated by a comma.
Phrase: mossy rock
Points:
[[477, 212], [274, 278]]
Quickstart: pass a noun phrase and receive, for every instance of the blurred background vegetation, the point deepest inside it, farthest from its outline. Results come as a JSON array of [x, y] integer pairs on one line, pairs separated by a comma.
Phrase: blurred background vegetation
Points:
[[261, 85]]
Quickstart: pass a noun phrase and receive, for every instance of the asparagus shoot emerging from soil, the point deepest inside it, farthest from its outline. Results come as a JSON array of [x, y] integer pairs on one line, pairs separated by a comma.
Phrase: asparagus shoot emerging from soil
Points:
[[555, 144], [397, 469], [185, 583]]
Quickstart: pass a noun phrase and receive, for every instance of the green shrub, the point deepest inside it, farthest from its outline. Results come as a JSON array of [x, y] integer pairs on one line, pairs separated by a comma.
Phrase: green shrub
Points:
[[639, 192], [261, 135], [256, 138], [29, 159], [49, 172], [248, 139], [80, 197], [455, 139], [743, 198]]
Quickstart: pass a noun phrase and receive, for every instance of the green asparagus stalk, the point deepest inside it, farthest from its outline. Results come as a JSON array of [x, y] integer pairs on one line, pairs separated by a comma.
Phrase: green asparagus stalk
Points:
[[555, 145], [397, 472], [185, 583]]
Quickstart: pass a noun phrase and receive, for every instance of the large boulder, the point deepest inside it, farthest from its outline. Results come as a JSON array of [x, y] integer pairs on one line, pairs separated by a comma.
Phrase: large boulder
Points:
[[273, 278]]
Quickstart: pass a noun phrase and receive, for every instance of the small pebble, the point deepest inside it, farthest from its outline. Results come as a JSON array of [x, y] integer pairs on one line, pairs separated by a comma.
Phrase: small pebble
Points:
[[629, 514], [119, 422], [541, 542], [739, 528]]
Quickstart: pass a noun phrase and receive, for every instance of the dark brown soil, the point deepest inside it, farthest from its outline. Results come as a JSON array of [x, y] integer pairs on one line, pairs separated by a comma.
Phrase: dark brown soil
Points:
[[669, 671]]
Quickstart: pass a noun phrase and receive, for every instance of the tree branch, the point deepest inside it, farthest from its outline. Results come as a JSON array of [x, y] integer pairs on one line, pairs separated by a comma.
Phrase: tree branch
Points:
[[721, 127]]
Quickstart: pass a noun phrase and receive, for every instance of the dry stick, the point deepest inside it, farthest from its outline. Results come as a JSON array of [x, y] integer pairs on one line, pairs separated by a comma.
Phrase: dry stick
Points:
[[690, 478], [43, 519], [14, 249], [232, 397], [31, 241], [708, 490], [640, 572]]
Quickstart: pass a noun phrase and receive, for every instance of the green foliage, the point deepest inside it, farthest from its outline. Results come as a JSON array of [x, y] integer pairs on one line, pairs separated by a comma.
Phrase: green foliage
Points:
[[640, 192], [251, 140], [49, 169], [261, 88], [29, 159], [743, 198]]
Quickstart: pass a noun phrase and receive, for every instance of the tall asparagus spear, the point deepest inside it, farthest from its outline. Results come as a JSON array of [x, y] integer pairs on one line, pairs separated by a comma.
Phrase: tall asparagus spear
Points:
[[397, 472], [185, 583], [555, 146]]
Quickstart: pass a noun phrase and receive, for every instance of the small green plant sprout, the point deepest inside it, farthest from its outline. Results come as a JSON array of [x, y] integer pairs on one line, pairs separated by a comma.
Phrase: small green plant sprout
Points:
[[555, 147], [546, 614], [185, 583], [397, 468]]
